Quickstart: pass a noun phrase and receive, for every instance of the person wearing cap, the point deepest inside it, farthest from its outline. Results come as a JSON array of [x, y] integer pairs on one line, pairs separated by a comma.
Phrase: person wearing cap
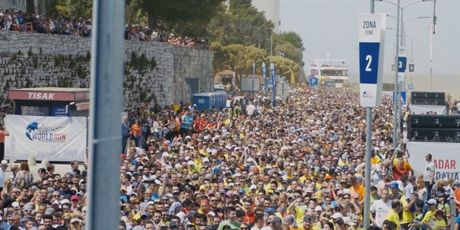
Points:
[[3, 135], [76, 224], [429, 218]]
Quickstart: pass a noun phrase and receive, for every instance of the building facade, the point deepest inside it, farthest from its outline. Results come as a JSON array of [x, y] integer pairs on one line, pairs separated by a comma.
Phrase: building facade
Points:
[[271, 8]]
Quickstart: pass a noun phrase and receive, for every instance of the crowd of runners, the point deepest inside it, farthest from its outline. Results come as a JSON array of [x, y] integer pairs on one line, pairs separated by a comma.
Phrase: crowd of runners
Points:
[[299, 165]]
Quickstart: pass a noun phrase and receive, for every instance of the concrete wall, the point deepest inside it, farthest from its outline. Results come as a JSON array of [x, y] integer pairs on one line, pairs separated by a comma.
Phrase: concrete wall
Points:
[[154, 73], [14, 4]]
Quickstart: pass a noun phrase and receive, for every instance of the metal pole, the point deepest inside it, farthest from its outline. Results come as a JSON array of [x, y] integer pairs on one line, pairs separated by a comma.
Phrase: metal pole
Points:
[[401, 85], [367, 179], [403, 38], [107, 54], [271, 44], [367, 176], [396, 98], [253, 76], [431, 31], [412, 59], [372, 9], [282, 92], [434, 17]]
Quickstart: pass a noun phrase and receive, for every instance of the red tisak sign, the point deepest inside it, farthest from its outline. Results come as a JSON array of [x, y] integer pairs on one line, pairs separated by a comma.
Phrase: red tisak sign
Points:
[[43, 95]]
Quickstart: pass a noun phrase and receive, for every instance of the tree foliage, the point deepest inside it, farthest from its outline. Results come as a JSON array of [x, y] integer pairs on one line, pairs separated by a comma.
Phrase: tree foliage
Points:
[[286, 67], [288, 50], [291, 37], [237, 57], [186, 17], [241, 23], [72, 8]]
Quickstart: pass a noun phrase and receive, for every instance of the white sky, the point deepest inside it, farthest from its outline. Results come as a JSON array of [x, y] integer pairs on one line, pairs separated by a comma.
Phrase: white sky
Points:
[[331, 26]]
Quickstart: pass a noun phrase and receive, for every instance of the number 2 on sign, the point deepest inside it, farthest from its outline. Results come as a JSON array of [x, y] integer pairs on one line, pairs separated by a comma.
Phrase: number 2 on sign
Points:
[[369, 61], [400, 64]]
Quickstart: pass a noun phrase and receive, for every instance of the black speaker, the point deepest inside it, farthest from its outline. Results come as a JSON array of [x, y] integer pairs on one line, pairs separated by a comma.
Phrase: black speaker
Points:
[[425, 101], [433, 135], [434, 121], [428, 95]]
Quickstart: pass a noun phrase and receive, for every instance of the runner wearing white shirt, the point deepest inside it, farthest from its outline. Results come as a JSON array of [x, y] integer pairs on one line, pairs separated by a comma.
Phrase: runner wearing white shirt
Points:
[[409, 188], [381, 207], [4, 166], [428, 175]]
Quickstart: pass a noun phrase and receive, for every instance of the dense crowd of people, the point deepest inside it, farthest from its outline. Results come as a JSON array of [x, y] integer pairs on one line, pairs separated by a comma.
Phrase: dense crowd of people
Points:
[[13, 20], [299, 165]]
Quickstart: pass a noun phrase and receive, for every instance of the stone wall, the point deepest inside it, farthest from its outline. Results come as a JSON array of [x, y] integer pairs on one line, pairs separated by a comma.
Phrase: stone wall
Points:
[[154, 73], [14, 4]]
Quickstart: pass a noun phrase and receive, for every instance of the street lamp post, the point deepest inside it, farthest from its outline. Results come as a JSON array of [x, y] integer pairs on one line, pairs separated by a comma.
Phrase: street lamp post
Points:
[[396, 106]]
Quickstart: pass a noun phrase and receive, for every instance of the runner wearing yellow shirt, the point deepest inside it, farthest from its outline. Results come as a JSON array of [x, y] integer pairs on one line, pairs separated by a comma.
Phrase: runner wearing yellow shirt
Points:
[[393, 215], [429, 219], [440, 222], [407, 215]]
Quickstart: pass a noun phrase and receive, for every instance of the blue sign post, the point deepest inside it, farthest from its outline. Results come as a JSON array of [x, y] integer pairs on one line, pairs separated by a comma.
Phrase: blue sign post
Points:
[[371, 37], [273, 81], [313, 81]]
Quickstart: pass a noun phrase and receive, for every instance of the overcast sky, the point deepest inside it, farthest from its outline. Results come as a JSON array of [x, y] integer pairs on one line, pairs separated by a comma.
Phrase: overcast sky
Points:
[[331, 26]]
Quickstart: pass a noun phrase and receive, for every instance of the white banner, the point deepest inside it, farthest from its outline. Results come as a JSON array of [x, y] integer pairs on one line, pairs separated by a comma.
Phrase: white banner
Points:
[[424, 109], [446, 158], [52, 138]]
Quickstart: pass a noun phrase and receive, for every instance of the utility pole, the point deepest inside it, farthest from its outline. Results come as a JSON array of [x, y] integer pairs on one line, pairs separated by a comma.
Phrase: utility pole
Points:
[[107, 53], [396, 97], [367, 176]]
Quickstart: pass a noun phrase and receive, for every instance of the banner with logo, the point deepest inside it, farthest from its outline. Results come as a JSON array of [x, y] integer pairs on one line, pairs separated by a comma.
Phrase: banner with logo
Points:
[[52, 138], [446, 158]]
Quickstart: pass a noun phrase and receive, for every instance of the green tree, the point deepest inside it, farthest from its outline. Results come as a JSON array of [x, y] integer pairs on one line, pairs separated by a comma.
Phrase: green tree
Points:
[[237, 57], [291, 37], [241, 23], [287, 68], [134, 13], [288, 50], [71, 8], [181, 16]]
